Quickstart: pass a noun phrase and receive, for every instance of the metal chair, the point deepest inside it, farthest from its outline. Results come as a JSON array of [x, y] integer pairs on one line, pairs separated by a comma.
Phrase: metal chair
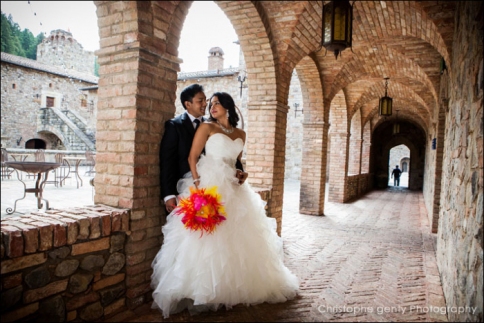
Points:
[[6, 172], [90, 162], [60, 174], [39, 157]]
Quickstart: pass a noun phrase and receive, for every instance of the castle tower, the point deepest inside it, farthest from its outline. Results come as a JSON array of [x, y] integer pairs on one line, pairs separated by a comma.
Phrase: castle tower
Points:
[[61, 49], [216, 59]]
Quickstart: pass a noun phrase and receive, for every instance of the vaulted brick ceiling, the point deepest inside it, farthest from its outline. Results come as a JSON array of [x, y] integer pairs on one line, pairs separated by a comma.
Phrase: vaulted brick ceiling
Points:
[[402, 40]]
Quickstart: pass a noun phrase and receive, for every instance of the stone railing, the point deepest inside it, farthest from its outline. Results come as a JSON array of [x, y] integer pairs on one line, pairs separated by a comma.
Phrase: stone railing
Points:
[[64, 265]]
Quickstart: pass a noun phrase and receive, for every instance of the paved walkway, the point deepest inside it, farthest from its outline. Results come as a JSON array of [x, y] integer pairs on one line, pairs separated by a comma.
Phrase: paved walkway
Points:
[[371, 260]]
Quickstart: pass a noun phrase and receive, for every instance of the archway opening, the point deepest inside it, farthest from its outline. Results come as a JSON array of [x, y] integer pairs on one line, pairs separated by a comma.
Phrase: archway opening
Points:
[[35, 144], [399, 156]]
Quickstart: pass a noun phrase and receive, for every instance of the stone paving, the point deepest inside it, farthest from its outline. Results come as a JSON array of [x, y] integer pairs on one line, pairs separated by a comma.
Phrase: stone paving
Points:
[[372, 260]]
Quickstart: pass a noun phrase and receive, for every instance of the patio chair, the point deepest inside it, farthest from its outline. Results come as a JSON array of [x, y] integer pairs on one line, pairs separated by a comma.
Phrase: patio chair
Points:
[[40, 155], [90, 163], [40, 158], [6, 172]]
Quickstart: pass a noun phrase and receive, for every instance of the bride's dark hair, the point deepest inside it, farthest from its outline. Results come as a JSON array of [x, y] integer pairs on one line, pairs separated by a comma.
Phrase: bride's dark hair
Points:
[[228, 104]]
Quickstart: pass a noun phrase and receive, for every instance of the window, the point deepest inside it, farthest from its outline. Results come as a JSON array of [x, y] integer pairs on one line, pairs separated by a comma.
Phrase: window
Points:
[[49, 101]]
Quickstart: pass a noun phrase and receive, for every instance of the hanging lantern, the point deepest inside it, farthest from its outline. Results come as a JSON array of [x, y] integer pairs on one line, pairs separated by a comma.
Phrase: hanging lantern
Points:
[[386, 102], [337, 26]]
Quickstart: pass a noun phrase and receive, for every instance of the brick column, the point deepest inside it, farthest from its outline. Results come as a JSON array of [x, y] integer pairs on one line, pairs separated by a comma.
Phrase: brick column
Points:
[[137, 86], [365, 149], [266, 147], [313, 168], [338, 166], [354, 164]]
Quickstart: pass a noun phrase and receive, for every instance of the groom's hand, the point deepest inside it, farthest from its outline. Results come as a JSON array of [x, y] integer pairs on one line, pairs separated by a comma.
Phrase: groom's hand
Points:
[[242, 176], [170, 205]]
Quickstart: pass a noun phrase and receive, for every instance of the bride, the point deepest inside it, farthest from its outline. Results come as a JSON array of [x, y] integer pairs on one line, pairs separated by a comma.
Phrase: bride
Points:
[[241, 261]]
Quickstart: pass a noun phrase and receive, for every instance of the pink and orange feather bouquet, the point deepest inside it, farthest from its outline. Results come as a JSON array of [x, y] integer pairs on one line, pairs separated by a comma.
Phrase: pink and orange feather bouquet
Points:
[[202, 210]]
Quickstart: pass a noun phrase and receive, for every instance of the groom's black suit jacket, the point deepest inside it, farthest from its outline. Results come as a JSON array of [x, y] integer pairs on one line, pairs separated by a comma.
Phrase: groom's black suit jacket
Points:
[[174, 150]]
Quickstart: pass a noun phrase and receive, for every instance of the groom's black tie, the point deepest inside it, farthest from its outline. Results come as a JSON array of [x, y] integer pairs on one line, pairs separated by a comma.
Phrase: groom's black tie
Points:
[[197, 123]]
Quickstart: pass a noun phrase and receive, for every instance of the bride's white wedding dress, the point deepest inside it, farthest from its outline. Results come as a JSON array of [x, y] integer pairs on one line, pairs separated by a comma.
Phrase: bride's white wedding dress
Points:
[[241, 262]]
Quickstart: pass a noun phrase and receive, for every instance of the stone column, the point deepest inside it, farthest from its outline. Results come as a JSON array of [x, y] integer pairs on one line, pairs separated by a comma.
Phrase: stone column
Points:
[[266, 146], [313, 168]]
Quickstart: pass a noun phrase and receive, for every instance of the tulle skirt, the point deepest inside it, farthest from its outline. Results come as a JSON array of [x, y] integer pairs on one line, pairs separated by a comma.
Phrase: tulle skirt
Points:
[[241, 262]]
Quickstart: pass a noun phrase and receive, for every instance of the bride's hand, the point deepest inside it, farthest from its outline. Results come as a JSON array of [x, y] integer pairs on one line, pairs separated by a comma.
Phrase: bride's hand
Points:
[[196, 182]]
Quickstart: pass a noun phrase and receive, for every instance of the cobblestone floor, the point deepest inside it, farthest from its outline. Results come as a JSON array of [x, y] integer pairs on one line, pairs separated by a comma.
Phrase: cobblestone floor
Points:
[[372, 260]]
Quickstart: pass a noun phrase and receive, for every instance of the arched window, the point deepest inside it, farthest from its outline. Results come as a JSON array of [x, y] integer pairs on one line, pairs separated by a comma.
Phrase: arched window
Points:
[[35, 144]]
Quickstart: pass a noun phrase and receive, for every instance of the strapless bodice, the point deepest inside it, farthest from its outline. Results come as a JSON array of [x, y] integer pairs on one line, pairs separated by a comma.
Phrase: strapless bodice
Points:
[[220, 146]]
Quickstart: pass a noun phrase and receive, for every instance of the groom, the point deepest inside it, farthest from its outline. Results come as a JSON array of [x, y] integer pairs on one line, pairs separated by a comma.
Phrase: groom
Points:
[[177, 142]]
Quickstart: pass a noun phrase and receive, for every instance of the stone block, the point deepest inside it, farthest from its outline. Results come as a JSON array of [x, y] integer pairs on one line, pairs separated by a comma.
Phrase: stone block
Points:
[[72, 230], [105, 224], [11, 281], [114, 264], [38, 277], [45, 235], [114, 307], [13, 241], [20, 313], [91, 246], [10, 265], [91, 312], [46, 291], [80, 300], [109, 281], [79, 283]]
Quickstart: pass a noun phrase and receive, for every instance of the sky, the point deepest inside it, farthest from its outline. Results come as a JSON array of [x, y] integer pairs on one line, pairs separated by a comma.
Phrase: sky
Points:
[[205, 26]]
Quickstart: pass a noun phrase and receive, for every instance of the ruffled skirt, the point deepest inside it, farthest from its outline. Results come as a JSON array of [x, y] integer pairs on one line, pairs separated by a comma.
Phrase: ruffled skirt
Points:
[[241, 262]]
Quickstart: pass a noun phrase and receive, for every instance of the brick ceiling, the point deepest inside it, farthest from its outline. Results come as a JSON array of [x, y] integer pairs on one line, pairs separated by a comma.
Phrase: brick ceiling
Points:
[[402, 40]]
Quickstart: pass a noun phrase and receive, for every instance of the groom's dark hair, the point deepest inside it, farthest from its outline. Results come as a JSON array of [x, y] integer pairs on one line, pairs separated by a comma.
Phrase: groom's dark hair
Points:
[[189, 92], [228, 103]]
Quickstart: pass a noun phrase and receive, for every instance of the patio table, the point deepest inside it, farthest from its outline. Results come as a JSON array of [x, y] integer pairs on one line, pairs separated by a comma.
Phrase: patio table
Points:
[[35, 168]]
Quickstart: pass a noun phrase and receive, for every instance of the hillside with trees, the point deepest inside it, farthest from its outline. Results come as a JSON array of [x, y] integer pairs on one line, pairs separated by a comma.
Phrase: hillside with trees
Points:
[[18, 42]]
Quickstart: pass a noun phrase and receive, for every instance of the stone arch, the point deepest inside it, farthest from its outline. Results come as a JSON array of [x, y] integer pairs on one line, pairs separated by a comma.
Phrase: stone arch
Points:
[[387, 13], [58, 134], [414, 78]]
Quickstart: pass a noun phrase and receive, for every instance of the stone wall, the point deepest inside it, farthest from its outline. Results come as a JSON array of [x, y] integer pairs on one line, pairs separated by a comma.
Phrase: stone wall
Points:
[[64, 265], [61, 49], [460, 236], [23, 92]]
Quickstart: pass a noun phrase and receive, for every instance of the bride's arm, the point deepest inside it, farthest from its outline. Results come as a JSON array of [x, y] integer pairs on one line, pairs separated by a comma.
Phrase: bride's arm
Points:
[[201, 136]]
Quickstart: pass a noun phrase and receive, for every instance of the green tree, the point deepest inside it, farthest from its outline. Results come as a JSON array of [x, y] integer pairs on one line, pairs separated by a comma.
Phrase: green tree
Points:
[[16, 41], [29, 44], [7, 38]]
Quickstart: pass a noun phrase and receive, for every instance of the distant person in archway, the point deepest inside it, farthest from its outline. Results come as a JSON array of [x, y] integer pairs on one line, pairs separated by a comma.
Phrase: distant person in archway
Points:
[[396, 176]]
